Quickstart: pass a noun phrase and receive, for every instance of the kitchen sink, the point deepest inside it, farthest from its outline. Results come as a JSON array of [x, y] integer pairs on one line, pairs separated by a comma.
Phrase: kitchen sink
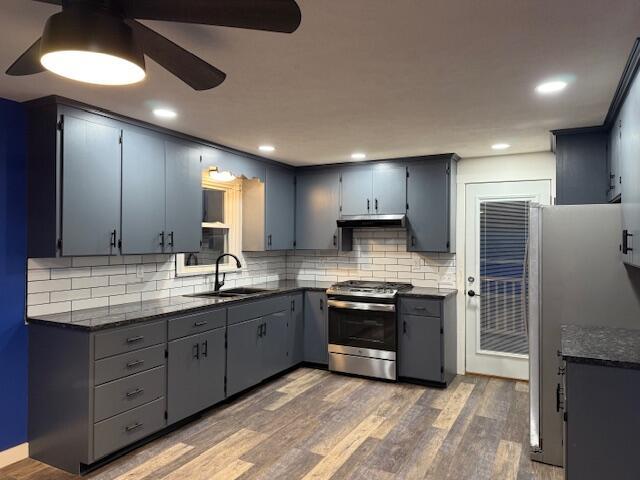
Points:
[[232, 292]]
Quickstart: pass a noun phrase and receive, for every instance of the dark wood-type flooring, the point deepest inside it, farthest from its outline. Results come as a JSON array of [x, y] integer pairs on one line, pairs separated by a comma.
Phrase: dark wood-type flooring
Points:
[[311, 424]]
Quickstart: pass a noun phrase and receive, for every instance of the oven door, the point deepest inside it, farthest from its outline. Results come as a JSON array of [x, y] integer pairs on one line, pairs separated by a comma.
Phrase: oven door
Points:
[[362, 324]]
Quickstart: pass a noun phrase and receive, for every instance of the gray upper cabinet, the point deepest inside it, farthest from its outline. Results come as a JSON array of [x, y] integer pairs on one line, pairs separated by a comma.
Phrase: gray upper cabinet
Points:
[[431, 204], [143, 192], [357, 194], [376, 188], [183, 200], [389, 188], [279, 208], [90, 187], [317, 209], [316, 328]]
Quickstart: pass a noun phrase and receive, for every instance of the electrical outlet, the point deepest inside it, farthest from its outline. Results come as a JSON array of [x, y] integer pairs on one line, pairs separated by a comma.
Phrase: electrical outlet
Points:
[[139, 272]]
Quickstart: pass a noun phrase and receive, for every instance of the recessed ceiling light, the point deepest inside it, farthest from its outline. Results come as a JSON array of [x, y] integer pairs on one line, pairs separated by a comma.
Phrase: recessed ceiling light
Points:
[[553, 86], [358, 156], [267, 148], [500, 146], [164, 113]]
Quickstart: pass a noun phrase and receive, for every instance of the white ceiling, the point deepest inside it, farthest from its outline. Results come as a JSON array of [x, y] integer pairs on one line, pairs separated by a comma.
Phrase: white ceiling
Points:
[[388, 77]]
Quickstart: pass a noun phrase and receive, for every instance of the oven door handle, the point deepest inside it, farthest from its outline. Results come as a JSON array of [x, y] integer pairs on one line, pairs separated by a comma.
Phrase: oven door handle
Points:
[[376, 307]]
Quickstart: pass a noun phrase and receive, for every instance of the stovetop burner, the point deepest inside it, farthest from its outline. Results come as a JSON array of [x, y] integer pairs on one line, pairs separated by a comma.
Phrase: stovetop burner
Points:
[[364, 288]]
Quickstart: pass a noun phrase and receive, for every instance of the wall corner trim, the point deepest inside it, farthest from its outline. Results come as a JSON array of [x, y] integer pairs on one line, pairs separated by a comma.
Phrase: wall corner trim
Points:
[[14, 454]]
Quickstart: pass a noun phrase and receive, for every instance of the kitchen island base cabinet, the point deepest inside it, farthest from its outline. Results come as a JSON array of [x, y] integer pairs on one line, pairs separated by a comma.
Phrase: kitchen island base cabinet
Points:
[[427, 340], [316, 328], [196, 373]]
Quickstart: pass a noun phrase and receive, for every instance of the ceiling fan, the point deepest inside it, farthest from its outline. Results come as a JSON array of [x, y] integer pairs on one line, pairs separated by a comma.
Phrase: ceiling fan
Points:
[[101, 41]]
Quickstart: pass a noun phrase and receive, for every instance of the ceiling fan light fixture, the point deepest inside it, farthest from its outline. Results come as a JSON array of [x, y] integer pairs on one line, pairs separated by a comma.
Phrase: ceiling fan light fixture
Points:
[[93, 47]]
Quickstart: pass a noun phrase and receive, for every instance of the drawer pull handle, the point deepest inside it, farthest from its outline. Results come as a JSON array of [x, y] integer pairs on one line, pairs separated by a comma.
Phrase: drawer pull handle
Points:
[[135, 339], [200, 324], [133, 427], [420, 308], [134, 364], [135, 392]]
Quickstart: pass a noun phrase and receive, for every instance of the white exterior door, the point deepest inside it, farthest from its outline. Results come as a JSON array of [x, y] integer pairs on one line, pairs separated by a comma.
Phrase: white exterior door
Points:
[[497, 231]]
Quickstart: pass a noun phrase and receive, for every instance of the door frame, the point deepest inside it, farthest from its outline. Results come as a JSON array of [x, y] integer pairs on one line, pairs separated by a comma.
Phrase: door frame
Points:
[[503, 364]]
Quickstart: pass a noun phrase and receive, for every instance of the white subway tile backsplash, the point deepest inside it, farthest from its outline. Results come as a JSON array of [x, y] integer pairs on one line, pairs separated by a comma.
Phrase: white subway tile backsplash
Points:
[[49, 285], [89, 282], [108, 291], [70, 273], [67, 295], [90, 303], [48, 308], [378, 254]]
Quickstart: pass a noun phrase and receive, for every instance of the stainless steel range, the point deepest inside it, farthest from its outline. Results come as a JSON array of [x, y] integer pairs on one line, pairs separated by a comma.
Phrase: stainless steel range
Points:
[[362, 327]]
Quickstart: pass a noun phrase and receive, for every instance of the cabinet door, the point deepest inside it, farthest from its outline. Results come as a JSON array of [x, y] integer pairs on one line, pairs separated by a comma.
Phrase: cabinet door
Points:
[[356, 188], [212, 367], [420, 348], [143, 190], [389, 188], [183, 380], [615, 174], [280, 199], [428, 212], [274, 342], [316, 348], [296, 330], [183, 198], [90, 188], [317, 210], [244, 355]]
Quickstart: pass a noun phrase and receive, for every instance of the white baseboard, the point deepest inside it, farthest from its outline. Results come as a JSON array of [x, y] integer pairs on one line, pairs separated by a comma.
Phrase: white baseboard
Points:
[[14, 454]]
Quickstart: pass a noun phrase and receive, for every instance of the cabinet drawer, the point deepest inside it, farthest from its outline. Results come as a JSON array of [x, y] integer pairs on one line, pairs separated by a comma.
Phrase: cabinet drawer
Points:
[[122, 430], [197, 323], [128, 339], [121, 395], [259, 308], [120, 366], [421, 306]]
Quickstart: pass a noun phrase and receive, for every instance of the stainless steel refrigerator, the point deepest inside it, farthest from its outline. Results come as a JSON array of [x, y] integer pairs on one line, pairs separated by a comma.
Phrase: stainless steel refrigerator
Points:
[[576, 276]]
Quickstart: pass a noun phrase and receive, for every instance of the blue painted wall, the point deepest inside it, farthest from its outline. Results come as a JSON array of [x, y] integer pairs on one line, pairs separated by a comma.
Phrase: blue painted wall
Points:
[[13, 333]]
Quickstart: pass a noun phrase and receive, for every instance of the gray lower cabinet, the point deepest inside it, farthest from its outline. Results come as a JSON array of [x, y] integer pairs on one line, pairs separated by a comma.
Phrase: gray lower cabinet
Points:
[[90, 153], [431, 201], [183, 198], [196, 373], [427, 339], [275, 337], [317, 209], [296, 330], [316, 328], [602, 420], [244, 355], [143, 192]]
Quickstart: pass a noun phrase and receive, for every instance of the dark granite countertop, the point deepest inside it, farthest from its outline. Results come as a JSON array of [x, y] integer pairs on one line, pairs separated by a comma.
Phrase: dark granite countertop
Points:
[[109, 317], [429, 292], [617, 347], [128, 313]]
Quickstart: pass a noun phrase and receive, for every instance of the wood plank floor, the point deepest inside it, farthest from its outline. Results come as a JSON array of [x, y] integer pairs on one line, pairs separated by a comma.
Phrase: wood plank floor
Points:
[[311, 424]]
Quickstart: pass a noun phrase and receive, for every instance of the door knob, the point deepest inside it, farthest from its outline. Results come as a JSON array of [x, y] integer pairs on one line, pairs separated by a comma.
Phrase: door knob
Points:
[[471, 293]]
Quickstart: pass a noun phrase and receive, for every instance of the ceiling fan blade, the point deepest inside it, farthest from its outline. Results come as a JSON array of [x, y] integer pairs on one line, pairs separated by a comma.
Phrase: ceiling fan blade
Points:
[[28, 63], [192, 70], [271, 15]]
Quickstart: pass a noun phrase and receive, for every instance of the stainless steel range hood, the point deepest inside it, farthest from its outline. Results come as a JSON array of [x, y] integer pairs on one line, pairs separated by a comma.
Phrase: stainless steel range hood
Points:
[[372, 221]]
